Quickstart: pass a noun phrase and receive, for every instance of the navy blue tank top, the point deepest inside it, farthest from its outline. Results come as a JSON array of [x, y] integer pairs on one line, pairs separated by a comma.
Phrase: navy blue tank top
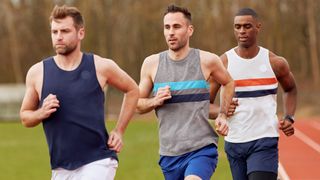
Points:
[[76, 133]]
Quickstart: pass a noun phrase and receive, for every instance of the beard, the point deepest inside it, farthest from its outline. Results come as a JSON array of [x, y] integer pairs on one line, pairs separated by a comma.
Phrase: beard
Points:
[[179, 45], [65, 49]]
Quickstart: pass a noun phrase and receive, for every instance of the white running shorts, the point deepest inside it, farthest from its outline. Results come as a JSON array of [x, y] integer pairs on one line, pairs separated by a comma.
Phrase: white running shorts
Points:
[[104, 169]]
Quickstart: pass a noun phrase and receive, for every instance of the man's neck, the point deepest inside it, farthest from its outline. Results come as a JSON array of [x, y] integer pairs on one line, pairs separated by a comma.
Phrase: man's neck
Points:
[[247, 52], [180, 54], [69, 62]]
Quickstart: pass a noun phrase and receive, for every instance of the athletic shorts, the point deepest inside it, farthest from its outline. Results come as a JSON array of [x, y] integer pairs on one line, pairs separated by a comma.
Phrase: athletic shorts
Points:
[[201, 162], [104, 169], [257, 155]]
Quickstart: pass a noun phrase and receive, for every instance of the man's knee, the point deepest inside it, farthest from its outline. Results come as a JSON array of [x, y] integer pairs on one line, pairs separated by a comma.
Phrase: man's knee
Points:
[[192, 177]]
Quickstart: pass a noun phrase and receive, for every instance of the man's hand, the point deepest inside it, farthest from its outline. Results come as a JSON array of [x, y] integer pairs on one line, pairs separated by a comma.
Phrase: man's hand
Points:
[[286, 127], [232, 108], [221, 124], [115, 141], [50, 105], [163, 94]]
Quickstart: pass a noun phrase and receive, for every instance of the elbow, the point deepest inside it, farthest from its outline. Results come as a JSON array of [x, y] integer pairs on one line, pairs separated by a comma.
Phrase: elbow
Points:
[[134, 92], [291, 91], [295, 91], [139, 110], [25, 122]]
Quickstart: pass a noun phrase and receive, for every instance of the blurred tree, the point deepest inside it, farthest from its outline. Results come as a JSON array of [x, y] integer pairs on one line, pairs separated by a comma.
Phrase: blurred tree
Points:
[[128, 31], [11, 21], [313, 41]]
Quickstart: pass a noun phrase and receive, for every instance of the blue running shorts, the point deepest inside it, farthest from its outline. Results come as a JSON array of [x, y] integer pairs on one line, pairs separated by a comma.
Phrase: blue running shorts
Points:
[[201, 162], [257, 155]]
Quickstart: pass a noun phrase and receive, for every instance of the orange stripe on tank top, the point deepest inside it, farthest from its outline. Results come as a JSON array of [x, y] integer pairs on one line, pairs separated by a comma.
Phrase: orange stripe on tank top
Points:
[[255, 82]]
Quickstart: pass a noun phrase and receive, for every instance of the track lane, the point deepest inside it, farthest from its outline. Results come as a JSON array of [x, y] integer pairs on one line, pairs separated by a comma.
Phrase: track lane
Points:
[[299, 159]]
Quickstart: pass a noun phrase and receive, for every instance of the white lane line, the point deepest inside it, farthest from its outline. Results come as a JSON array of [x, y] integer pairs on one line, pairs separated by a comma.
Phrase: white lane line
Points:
[[304, 138], [282, 173]]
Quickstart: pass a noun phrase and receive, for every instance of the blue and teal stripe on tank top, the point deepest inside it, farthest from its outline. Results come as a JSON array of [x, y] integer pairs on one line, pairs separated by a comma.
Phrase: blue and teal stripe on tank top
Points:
[[185, 91]]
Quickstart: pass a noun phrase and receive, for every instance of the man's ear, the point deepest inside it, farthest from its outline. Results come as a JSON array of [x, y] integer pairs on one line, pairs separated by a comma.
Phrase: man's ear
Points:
[[258, 26], [81, 33], [190, 29]]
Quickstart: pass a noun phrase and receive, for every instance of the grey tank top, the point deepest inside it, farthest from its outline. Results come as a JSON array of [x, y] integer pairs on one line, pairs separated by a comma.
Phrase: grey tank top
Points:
[[183, 119]]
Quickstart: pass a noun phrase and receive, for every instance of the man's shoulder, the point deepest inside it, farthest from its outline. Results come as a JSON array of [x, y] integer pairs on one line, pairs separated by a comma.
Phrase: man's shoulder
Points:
[[208, 57], [273, 56], [278, 63], [99, 58], [101, 61], [152, 59], [276, 60], [207, 53], [35, 74], [36, 68]]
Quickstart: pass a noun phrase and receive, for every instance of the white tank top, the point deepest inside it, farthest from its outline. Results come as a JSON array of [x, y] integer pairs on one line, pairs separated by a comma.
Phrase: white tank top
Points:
[[256, 90]]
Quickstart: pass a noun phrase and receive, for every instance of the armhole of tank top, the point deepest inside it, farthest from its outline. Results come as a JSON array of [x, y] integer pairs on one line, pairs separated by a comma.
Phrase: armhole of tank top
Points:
[[159, 61], [93, 64], [43, 80], [228, 56], [267, 55], [227, 68], [197, 51]]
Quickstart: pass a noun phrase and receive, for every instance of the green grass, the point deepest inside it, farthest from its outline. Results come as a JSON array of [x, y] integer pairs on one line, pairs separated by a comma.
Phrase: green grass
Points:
[[24, 153]]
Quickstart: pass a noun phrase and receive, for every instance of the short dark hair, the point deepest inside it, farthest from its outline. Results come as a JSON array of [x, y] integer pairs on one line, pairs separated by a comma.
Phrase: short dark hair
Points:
[[61, 12], [173, 9], [247, 11]]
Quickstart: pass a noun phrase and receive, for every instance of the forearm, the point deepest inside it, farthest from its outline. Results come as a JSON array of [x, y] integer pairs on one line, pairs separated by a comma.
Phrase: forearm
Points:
[[213, 111], [127, 110], [30, 118], [145, 105], [227, 92], [290, 101]]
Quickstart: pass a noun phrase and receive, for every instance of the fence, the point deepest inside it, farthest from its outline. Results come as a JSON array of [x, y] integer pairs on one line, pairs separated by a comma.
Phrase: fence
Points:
[[11, 96]]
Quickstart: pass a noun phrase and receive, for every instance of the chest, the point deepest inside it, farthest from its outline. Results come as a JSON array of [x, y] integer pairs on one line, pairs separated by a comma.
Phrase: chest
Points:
[[258, 68]]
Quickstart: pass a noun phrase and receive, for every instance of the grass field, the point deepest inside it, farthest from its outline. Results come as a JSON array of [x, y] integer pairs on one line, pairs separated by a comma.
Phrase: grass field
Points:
[[24, 153]]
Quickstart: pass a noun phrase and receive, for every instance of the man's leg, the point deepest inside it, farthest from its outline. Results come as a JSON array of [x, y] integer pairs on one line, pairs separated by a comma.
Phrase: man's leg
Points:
[[201, 168], [172, 167], [261, 175], [61, 174], [192, 177], [237, 160], [202, 163], [104, 169], [263, 159]]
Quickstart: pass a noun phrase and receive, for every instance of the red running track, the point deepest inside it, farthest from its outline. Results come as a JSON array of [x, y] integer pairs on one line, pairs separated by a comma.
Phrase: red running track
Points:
[[300, 154]]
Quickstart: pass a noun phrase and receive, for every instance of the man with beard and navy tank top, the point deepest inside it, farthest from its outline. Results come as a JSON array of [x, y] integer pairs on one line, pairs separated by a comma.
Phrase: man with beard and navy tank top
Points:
[[252, 142], [65, 93], [178, 81]]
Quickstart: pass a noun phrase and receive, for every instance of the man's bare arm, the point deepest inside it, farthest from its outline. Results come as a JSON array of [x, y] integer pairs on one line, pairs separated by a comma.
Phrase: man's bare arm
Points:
[[30, 114], [148, 71], [108, 72], [285, 77]]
